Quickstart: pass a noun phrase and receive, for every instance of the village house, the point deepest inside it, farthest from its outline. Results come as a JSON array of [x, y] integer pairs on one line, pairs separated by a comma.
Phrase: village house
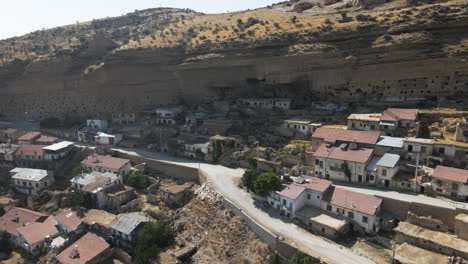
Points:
[[450, 182], [28, 229], [265, 103], [194, 147], [46, 140], [31, 156], [387, 144], [98, 222], [125, 118], [72, 221], [176, 195], [110, 164], [399, 122], [58, 151], [118, 195], [167, 115], [89, 249], [95, 184], [7, 155], [10, 135], [364, 122], [344, 162], [29, 137], [99, 124], [361, 209], [366, 139], [31, 181], [433, 152], [108, 139], [126, 228], [215, 127], [303, 126], [382, 170]]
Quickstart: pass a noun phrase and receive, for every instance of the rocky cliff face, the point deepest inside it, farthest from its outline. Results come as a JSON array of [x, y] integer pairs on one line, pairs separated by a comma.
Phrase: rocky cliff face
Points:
[[389, 52]]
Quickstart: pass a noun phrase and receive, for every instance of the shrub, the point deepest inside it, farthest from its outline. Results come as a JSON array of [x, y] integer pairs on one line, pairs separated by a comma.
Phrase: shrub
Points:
[[80, 200], [301, 258], [138, 180], [249, 178], [266, 183], [77, 170], [51, 122], [5, 245], [156, 235]]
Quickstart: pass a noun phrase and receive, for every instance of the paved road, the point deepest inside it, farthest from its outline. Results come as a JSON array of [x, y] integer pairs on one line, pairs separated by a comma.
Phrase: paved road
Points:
[[407, 197], [224, 180]]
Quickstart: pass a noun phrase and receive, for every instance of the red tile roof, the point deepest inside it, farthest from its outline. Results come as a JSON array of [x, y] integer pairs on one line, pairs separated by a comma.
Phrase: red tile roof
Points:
[[451, 174], [30, 150], [30, 136], [88, 248], [10, 130], [360, 155], [292, 191], [395, 114], [316, 184], [72, 219], [105, 162], [37, 231], [18, 217], [363, 203], [47, 139], [332, 135]]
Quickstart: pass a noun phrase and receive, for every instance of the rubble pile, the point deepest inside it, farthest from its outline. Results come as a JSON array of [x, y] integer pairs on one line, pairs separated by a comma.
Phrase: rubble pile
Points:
[[207, 193]]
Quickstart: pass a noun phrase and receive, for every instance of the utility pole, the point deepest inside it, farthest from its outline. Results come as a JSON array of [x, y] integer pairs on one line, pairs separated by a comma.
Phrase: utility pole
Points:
[[416, 174]]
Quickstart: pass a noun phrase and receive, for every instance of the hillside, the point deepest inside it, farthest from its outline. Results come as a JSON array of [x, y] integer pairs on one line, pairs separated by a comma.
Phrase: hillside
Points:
[[358, 50]]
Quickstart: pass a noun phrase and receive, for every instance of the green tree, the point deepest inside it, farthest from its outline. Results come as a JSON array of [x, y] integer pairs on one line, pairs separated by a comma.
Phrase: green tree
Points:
[[2, 211], [248, 179], [347, 172], [301, 258], [266, 183], [77, 170], [217, 150], [156, 235], [80, 200], [51, 122], [5, 245], [138, 180]]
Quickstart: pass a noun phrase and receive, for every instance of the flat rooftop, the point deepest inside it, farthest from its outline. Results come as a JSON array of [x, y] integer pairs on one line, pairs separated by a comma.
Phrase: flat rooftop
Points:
[[365, 117], [29, 174], [320, 217], [409, 254]]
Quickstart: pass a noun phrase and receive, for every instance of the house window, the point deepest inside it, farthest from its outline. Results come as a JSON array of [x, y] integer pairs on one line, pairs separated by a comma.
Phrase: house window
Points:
[[439, 182], [442, 150], [340, 211], [423, 149], [455, 186], [384, 172], [323, 229], [284, 201], [410, 148], [308, 196], [353, 125], [329, 207], [321, 164], [317, 162], [351, 215], [365, 219], [371, 177], [372, 127]]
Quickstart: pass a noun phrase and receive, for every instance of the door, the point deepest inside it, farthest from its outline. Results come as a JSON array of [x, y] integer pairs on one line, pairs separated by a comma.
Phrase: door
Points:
[[111, 141], [387, 183], [359, 178]]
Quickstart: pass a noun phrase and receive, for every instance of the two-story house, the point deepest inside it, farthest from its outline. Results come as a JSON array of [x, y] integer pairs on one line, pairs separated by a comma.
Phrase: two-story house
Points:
[[101, 163], [450, 182], [31, 181], [95, 184], [125, 229], [399, 122], [364, 122]]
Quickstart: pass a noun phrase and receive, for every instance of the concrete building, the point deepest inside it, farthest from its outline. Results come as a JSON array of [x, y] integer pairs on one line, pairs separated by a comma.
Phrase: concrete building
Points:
[[321, 135], [167, 115], [28, 229], [194, 147], [46, 140], [383, 170], [461, 226], [58, 151], [89, 249], [31, 181], [433, 152], [108, 139], [387, 144], [126, 228], [123, 118], [110, 164], [360, 209], [450, 182], [265, 103], [95, 184], [344, 162], [72, 221], [461, 132], [399, 122], [97, 124], [176, 195], [303, 126], [11, 134], [29, 137], [364, 122]]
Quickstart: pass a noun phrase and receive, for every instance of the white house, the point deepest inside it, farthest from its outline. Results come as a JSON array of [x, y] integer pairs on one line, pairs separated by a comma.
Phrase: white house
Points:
[[303, 126], [346, 162], [364, 122], [31, 181], [450, 182], [97, 124], [95, 183], [108, 139], [103, 163], [57, 151]]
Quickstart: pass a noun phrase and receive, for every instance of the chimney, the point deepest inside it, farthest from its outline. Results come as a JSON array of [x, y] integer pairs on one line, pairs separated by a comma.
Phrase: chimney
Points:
[[94, 158], [353, 145]]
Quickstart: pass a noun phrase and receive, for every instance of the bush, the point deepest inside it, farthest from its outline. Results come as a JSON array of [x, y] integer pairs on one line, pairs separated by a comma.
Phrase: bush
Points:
[[301, 258], [80, 200], [51, 122], [2, 211], [5, 245], [138, 180], [266, 183], [156, 235], [77, 170], [249, 178]]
